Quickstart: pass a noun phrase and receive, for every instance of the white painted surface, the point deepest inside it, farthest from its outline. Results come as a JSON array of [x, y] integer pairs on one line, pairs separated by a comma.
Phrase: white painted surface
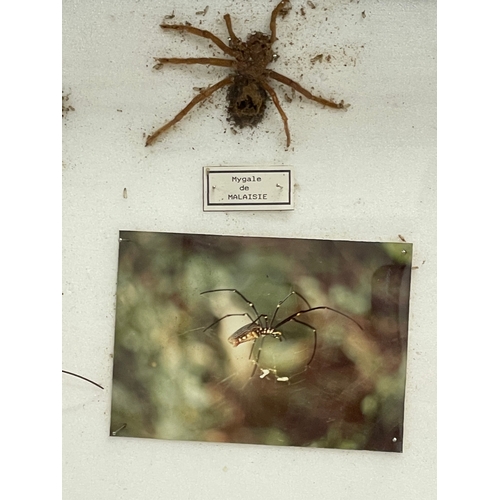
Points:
[[365, 174]]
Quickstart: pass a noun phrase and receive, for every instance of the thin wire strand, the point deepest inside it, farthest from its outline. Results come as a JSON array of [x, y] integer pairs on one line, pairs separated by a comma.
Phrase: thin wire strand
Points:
[[83, 378]]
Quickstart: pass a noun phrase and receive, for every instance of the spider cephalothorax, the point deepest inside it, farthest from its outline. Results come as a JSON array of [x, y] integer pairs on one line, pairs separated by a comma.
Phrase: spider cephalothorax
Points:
[[253, 56], [248, 84]]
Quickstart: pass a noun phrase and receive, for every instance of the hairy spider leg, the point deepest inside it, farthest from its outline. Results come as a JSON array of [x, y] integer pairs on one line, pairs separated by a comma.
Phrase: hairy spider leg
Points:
[[265, 85], [293, 292], [294, 85], [204, 94], [202, 33], [229, 25], [211, 61], [276, 102], [274, 15], [251, 304], [292, 316]]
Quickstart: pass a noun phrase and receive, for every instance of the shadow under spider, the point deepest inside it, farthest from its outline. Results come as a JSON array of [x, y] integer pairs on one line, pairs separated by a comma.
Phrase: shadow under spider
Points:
[[249, 85]]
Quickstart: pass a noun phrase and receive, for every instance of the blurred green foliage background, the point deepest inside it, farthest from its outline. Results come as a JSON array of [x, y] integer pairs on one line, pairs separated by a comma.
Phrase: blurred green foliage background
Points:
[[175, 380]]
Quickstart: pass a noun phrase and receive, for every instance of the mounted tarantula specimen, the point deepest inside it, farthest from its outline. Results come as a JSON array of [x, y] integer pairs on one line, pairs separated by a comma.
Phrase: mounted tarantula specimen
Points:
[[248, 84]]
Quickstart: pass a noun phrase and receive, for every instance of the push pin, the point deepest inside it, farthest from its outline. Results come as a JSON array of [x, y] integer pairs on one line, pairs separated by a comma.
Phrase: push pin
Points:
[[114, 433]]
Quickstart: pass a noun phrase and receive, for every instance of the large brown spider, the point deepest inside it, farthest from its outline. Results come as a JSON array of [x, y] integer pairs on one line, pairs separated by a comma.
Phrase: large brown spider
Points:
[[249, 83]]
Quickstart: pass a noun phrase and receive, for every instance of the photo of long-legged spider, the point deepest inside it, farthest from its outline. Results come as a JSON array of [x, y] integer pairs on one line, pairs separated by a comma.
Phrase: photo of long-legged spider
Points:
[[261, 327], [248, 85], [235, 339]]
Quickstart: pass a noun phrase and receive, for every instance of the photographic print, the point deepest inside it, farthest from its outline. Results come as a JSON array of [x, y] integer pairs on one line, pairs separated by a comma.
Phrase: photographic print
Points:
[[277, 341]]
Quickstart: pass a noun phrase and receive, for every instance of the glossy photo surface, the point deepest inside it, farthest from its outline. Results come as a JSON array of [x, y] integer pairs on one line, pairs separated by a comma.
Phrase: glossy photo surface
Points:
[[272, 341]]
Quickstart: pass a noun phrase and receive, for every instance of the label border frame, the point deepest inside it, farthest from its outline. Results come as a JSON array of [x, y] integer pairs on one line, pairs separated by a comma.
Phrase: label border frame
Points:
[[210, 206]]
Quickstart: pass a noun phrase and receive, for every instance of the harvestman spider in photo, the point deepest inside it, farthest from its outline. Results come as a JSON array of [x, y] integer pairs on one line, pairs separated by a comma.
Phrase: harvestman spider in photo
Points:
[[248, 85], [262, 327]]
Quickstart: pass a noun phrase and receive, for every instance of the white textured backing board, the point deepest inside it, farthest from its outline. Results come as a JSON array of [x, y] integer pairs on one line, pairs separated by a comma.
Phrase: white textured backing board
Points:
[[365, 174]]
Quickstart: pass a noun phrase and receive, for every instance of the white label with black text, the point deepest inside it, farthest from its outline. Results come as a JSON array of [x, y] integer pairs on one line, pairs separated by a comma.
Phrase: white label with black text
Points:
[[247, 188]]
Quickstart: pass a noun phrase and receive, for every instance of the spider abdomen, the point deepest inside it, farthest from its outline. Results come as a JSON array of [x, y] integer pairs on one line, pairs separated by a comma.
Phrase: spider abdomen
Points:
[[247, 101], [245, 334]]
